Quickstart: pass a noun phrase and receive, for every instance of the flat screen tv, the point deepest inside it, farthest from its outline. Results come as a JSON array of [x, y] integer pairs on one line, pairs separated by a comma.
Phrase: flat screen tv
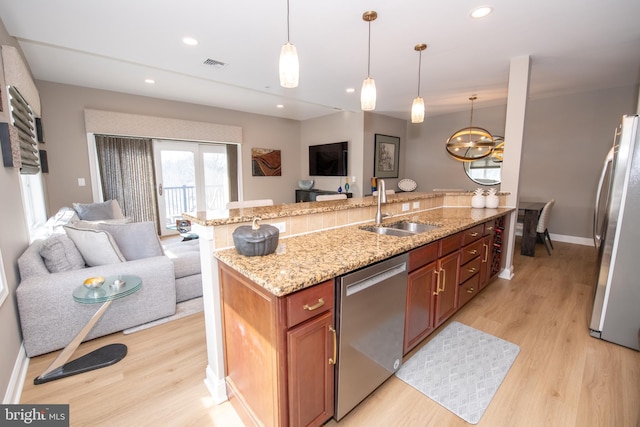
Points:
[[328, 159]]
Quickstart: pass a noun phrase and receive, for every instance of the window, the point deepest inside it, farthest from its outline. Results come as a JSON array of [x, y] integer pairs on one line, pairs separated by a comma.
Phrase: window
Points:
[[34, 205], [4, 287]]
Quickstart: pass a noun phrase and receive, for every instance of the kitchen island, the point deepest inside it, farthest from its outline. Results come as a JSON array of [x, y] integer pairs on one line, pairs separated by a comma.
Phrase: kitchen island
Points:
[[278, 341]]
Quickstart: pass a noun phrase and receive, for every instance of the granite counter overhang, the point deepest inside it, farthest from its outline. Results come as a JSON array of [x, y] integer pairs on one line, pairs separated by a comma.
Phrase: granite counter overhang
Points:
[[305, 260]]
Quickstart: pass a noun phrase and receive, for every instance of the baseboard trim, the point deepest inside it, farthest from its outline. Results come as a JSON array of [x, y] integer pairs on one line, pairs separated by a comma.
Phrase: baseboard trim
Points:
[[571, 239], [18, 376], [584, 241], [217, 387]]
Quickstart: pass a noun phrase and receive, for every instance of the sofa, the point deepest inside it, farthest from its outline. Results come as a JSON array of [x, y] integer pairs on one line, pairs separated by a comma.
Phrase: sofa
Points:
[[77, 249]]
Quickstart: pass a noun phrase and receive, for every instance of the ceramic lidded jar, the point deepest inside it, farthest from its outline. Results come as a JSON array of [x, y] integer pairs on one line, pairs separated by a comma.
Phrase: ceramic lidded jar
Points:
[[256, 239], [478, 200]]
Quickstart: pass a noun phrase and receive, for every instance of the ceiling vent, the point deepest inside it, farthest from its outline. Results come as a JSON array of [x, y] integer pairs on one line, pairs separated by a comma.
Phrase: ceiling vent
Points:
[[214, 63]]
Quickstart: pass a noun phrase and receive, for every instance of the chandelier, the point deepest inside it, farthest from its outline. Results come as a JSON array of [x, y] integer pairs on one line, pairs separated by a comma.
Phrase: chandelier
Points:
[[470, 143]]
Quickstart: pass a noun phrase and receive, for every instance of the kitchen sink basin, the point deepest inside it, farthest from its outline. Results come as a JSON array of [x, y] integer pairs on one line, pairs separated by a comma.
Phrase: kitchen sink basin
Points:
[[400, 229], [413, 227]]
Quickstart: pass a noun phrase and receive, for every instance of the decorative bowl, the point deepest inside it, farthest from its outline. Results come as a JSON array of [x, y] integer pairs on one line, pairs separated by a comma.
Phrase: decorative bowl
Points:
[[256, 239], [94, 282], [305, 184]]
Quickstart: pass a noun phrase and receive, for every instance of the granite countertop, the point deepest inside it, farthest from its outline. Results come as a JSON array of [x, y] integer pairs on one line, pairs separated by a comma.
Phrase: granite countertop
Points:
[[235, 216], [305, 260]]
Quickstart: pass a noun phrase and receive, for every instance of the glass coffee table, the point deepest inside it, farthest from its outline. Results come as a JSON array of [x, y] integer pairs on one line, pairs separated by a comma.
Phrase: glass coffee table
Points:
[[104, 356]]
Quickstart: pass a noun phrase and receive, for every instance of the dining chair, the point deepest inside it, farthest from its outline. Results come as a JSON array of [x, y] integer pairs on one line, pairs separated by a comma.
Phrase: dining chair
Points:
[[543, 220], [325, 197], [249, 203]]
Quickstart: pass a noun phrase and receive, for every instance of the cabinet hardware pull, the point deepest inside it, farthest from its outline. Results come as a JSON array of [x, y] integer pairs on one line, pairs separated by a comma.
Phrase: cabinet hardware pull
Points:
[[489, 228], [486, 252], [470, 290], [473, 234], [473, 252], [471, 270], [316, 306], [437, 283], [333, 360]]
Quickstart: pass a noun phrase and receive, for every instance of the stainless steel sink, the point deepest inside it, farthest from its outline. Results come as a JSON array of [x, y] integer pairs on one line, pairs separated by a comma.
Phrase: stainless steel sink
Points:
[[413, 227], [400, 229]]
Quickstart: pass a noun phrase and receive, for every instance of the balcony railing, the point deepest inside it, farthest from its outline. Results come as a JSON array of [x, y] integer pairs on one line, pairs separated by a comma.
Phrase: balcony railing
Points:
[[178, 200]]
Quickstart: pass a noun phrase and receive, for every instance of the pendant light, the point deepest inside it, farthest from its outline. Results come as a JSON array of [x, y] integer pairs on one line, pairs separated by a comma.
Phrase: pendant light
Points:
[[470, 143], [368, 92], [289, 65], [417, 108]]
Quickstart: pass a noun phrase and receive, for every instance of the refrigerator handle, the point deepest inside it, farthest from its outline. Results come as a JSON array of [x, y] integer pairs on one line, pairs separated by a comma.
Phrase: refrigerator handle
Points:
[[596, 212]]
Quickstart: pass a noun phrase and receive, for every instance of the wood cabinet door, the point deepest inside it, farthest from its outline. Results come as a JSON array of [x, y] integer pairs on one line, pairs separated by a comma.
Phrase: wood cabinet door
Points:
[[419, 311], [487, 260], [445, 300], [311, 361]]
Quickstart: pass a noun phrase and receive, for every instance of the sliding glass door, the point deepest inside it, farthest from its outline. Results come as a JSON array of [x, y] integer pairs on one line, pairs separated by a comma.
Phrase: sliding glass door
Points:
[[190, 177]]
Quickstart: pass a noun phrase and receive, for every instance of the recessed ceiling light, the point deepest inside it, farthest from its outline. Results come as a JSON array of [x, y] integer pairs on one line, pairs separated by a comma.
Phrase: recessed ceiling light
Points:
[[279, 106], [350, 90], [190, 41], [149, 81], [481, 11]]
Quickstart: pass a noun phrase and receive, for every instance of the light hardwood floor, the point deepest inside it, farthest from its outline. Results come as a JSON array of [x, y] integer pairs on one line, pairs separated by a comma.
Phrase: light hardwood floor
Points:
[[562, 376]]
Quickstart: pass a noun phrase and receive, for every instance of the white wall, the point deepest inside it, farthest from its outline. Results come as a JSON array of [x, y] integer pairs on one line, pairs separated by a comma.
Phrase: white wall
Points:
[[14, 238], [343, 126], [66, 140], [565, 140]]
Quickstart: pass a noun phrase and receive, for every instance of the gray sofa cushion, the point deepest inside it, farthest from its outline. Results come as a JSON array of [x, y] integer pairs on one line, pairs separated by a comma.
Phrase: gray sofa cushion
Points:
[[185, 257], [136, 240], [96, 246], [60, 254], [97, 211], [30, 263]]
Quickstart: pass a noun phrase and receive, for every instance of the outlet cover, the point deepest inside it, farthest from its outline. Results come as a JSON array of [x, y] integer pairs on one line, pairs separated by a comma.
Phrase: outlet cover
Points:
[[405, 207]]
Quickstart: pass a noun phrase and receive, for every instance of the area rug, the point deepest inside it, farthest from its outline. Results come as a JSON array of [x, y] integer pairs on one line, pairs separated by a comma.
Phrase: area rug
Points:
[[461, 369], [183, 309]]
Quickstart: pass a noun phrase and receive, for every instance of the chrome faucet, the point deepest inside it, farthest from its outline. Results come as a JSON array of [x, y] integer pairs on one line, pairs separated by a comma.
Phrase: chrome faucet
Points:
[[382, 198]]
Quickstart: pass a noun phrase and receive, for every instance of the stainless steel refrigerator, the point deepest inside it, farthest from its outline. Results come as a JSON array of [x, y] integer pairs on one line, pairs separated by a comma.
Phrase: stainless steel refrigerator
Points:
[[616, 305]]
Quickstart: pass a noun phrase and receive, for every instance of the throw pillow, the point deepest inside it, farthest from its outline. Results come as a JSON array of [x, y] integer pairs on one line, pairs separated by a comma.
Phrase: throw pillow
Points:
[[60, 254], [79, 223], [97, 211], [136, 240], [96, 246]]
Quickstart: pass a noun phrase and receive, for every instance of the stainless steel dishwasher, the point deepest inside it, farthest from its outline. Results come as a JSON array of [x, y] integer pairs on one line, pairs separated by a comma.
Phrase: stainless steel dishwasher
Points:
[[370, 323]]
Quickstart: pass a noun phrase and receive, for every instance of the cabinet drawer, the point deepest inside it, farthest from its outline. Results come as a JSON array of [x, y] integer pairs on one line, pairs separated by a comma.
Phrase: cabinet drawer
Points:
[[423, 256], [471, 251], [470, 268], [310, 302], [450, 244], [472, 234], [468, 290], [489, 227]]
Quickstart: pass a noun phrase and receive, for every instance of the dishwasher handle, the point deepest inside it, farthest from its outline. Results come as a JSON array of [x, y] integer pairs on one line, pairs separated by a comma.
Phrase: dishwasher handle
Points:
[[375, 278]]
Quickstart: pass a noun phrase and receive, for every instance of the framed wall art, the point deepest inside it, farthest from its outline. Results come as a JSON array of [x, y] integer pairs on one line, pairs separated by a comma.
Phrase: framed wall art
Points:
[[386, 157], [265, 162]]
